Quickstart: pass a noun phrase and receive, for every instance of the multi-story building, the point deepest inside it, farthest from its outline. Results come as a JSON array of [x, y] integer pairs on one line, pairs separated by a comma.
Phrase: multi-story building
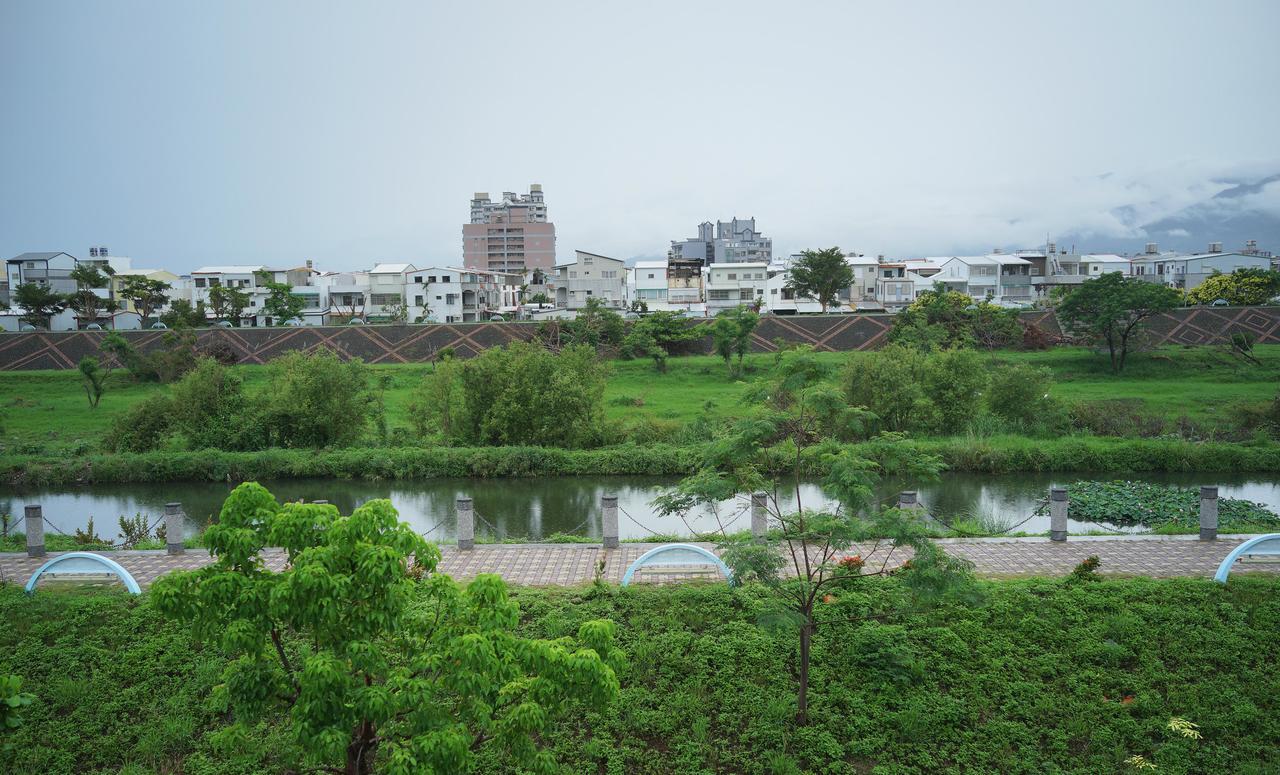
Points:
[[1186, 271], [996, 277], [51, 269], [734, 241], [511, 235], [729, 285], [591, 276], [118, 280], [386, 289], [452, 295], [344, 296]]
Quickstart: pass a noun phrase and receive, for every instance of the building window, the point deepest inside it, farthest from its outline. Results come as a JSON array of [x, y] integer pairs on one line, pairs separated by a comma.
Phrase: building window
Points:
[[199, 282], [417, 301], [731, 276], [417, 279], [444, 278], [718, 295]]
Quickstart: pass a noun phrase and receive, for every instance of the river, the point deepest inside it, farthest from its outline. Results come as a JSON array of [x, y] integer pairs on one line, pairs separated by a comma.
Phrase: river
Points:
[[538, 507]]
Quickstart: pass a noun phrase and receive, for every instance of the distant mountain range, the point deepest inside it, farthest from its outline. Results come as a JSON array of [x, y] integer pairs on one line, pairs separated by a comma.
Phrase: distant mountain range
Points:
[[1244, 210]]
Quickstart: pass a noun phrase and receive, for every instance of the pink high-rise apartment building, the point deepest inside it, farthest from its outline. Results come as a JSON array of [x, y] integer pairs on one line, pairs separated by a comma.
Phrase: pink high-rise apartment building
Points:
[[510, 235]]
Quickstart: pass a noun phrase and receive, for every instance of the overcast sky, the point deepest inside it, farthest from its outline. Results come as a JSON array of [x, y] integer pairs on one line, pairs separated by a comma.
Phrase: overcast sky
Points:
[[184, 133]]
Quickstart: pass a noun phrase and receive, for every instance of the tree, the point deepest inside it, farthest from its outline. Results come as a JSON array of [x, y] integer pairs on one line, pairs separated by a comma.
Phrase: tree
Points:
[[595, 325], [796, 423], [228, 303], [731, 334], [181, 314], [94, 378], [1114, 309], [655, 335], [84, 301], [398, 312], [316, 400], [540, 298], [39, 304], [821, 275], [146, 295], [281, 304], [1247, 286], [366, 653]]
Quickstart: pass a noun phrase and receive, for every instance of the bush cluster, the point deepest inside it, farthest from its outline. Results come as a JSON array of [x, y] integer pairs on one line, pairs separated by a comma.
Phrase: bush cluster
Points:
[[313, 400], [1046, 676]]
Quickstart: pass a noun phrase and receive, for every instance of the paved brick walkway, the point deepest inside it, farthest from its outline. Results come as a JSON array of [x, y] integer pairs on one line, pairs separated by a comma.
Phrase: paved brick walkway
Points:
[[569, 564]]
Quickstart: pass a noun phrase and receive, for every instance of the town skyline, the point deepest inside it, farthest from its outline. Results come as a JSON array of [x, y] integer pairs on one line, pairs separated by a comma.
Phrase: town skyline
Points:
[[235, 132]]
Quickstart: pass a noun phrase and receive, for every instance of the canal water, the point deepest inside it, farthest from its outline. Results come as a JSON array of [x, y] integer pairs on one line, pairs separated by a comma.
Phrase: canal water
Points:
[[535, 508]]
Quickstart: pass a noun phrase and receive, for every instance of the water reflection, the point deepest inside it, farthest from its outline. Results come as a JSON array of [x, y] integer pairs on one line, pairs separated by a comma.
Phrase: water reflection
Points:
[[538, 507]]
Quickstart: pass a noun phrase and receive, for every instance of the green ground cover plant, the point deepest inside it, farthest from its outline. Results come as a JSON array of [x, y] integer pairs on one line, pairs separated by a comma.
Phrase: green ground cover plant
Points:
[[1042, 676], [1159, 506]]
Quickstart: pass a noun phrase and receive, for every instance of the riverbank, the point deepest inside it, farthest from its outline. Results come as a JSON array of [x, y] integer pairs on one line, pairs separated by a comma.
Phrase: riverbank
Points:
[[1045, 675], [993, 455]]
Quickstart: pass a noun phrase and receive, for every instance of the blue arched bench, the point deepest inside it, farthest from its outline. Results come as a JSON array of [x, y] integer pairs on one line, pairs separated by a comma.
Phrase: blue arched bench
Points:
[[1262, 546], [669, 556], [80, 563]]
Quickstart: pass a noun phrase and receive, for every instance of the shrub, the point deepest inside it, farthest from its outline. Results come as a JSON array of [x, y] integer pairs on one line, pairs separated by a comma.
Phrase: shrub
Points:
[[1116, 417], [890, 383], [210, 410], [955, 380], [142, 427], [1020, 394], [525, 394], [1035, 338], [316, 400]]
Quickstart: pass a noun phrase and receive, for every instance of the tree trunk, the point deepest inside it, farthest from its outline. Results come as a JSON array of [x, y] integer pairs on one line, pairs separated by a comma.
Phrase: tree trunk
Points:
[[802, 692], [360, 750]]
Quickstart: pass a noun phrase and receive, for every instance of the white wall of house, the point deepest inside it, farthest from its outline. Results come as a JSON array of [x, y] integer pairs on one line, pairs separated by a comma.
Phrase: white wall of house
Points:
[[732, 284], [591, 276]]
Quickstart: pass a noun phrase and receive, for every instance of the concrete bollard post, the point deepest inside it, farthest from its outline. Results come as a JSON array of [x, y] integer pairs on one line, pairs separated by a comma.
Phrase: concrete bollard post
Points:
[[1208, 513], [466, 525], [908, 499], [759, 516], [35, 531], [174, 528], [609, 526], [1058, 505]]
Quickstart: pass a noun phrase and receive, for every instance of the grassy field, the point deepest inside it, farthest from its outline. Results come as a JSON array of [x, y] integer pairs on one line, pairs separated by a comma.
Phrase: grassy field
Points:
[[1038, 676], [48, 409]]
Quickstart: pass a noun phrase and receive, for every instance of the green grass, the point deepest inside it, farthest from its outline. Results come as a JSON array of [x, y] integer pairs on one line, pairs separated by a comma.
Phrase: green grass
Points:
[[47, 410], [1040, 676]]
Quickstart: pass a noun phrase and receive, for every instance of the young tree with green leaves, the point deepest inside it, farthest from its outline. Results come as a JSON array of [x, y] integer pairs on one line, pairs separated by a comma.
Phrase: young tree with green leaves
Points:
[[39, 304], [94, 378], [656, 334], [228, 303], [731, 335], [1114, 310], [84, 301], [820, 275], [812, 554], [145, 294], [371, 658], [181, 314], [281, 304], [595, 325]]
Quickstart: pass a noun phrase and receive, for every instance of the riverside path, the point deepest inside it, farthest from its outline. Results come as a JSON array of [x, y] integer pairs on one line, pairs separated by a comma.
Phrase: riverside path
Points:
[[573, 564]]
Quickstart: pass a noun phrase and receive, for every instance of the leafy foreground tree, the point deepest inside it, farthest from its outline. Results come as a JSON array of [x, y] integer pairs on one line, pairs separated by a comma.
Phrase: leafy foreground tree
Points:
[[795, 427], [84, 301], [1114, 310], [281, 304], [820, 275], [376, 658]]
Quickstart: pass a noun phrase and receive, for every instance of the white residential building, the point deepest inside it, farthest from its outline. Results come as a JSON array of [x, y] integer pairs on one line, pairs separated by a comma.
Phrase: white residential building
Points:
[[729, 285], [386, 289], [453, 295], [344, 296], [591, 276], [996, 277], [1186, 271]]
